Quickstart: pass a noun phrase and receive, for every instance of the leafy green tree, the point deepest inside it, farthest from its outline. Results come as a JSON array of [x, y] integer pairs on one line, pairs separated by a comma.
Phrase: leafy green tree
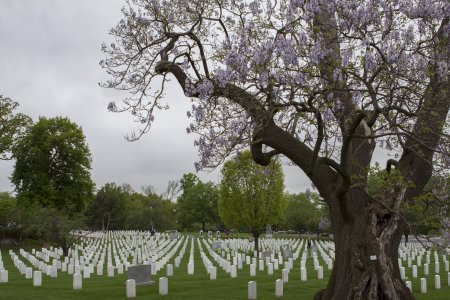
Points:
[[58, 227], [109, 208], [198, 203], [149, 211], [12, 126], [304, 212], [7, 212], [53, 165], [251, 195]]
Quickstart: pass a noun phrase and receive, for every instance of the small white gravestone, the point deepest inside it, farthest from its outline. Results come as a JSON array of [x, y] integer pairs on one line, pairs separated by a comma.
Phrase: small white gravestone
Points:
[[28, 273], [437, 282], [87, 272], [423, 285], [252, 290], [131, 288], [100, 269], [169, 270], [48, 270], [285, 275], [252, 270], [261, 265], [409, 285], [77, 281], [436, 267], [110, 271], [426, 269], [303, 275], [37, 278], [414, 271], [191, 268], [320, 272], [54, 272], [212, 273], [233, 272], [163, 286], [3, 276], [120, 269], [270, 269], [210, 234], [402, 273], [275, 264], [70, 269], [279, 288]]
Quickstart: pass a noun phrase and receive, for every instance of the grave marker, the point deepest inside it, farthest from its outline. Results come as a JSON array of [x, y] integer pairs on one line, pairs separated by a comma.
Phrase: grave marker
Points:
[[141, 274]]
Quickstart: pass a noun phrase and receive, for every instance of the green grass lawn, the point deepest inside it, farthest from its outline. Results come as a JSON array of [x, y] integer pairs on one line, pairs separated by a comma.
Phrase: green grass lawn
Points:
[[183, 286]]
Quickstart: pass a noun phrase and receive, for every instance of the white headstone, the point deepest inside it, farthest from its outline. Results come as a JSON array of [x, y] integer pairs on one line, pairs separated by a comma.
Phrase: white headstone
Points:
[[303, 274], [77, 281], [131, 288], [252, 290], [54, 272], [37, 278], [437, 282], [100, 269], [414, 271], [163, 286], [270, 269], [233, 272], [436, 267], [191, 268], [110, 271], [409, 286], [320, 272], [285, 275], [279, 288], [87, 272], [28, 273], [169, 270], [3, 276], [212, 273], [252, 270], [426, 270], [423, 285]]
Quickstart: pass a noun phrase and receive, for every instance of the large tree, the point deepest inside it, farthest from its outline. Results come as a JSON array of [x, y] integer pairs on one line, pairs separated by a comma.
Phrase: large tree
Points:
[[53, 165], [109, 208], [320, 82], [251, 196], [198, 202], [12, 126]]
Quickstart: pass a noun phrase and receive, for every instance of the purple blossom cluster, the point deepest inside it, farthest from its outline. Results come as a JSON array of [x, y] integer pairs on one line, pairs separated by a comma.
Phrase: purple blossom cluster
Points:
[[205, 89]]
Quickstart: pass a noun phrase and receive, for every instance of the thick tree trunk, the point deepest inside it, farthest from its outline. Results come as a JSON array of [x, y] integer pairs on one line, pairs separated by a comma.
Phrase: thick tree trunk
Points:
[[256, 239], [366, 265]]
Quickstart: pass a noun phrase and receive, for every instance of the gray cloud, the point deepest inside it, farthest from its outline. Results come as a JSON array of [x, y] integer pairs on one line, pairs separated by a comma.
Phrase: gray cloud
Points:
[[49, 63]]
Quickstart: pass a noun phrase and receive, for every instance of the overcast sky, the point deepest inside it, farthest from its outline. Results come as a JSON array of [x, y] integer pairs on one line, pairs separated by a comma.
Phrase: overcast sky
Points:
[[49, 54]]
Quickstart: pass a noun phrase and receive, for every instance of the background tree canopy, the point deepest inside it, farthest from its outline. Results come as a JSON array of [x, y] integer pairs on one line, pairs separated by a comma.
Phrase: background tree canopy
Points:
[[251, 196], [53, 165], [198, 203], [12, 126]]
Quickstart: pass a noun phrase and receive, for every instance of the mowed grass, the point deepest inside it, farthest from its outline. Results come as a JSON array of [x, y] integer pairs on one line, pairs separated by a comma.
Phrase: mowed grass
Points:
[[183, 286]]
